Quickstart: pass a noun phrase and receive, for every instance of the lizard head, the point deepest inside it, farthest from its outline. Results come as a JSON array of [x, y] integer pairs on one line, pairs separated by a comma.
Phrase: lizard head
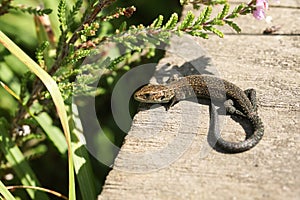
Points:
[[154, 94]]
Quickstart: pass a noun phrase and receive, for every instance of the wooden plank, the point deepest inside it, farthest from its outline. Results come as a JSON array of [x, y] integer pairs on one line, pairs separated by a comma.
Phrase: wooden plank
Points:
[[166, 154]]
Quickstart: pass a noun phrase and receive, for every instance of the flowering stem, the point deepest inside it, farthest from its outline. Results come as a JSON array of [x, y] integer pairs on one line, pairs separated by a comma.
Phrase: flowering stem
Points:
[[243, 11]]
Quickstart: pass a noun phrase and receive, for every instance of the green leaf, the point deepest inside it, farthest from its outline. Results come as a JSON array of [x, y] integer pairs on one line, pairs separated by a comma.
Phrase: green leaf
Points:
[[116, 61], [5, 193], [24, 89], [62, 25], [187, 21], [78, 54], [62, 7], [82, 164], [204, 15], [35, 11], [123, 27], [234, 26], [214, 30], [53, 132], [157, 23], [247, 10], [40, 53], [199, 34], [73, 12], [217, 21], [224, 12], [238, 8], [233, 15], [171, 22]]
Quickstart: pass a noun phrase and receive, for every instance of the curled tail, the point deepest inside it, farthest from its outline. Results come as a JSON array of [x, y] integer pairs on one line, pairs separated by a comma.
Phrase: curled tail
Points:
[[236, 147]]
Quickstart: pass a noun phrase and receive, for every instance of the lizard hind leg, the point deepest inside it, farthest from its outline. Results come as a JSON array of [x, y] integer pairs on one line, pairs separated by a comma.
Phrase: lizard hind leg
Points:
[[231, 109]]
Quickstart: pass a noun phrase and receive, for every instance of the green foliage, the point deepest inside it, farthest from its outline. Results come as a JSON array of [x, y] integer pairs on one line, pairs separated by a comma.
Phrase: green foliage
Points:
[[204, 23], [61, 13], [73, 12], [214, 30], [25, 80], [157, 23], [122, 27], [113, 63], [196, 26], [6, 6], [15, 157], [40, 54], [30, 10], [199, 34], [78, 55], [172, 22], [233, 25], [187, 21], [237, 10], [204, 16], [196, 3], [62, 9], [224, 12]]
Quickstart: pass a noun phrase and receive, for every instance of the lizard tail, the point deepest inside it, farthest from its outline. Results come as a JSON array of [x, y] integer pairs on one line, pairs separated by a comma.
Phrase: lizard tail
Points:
[[237, 147]]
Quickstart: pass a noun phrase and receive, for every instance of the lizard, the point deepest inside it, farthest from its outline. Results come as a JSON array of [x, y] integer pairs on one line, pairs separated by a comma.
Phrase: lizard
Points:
[[236, 102]]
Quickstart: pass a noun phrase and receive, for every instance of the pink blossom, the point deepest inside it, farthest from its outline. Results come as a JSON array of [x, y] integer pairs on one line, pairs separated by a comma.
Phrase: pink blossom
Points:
[[261, 6]]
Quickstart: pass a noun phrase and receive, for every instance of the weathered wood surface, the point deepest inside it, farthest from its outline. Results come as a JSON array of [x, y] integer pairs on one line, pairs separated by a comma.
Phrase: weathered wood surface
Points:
[[166, 154]]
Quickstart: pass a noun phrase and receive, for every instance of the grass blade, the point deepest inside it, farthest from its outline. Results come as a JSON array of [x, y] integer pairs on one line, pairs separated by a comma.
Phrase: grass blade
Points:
[[5, 193], [53, 132], [56, 96], [83, 169]]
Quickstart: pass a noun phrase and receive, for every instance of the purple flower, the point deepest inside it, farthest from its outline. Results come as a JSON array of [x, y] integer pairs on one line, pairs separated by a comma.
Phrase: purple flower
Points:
[[261, 6]]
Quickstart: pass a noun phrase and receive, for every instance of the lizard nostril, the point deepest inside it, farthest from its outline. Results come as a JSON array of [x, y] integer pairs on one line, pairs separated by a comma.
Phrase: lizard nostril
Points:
[[162, 97], [146, 96]]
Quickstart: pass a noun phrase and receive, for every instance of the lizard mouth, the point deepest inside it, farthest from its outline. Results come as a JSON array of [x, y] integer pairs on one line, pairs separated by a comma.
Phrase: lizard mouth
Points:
[[148, 98]]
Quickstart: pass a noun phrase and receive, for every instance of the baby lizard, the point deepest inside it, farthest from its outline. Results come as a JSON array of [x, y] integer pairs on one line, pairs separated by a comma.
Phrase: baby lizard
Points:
[[236, 101]]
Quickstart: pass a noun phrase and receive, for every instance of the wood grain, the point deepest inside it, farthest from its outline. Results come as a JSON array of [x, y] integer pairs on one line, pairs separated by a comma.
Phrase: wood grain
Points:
[[166, 154]]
